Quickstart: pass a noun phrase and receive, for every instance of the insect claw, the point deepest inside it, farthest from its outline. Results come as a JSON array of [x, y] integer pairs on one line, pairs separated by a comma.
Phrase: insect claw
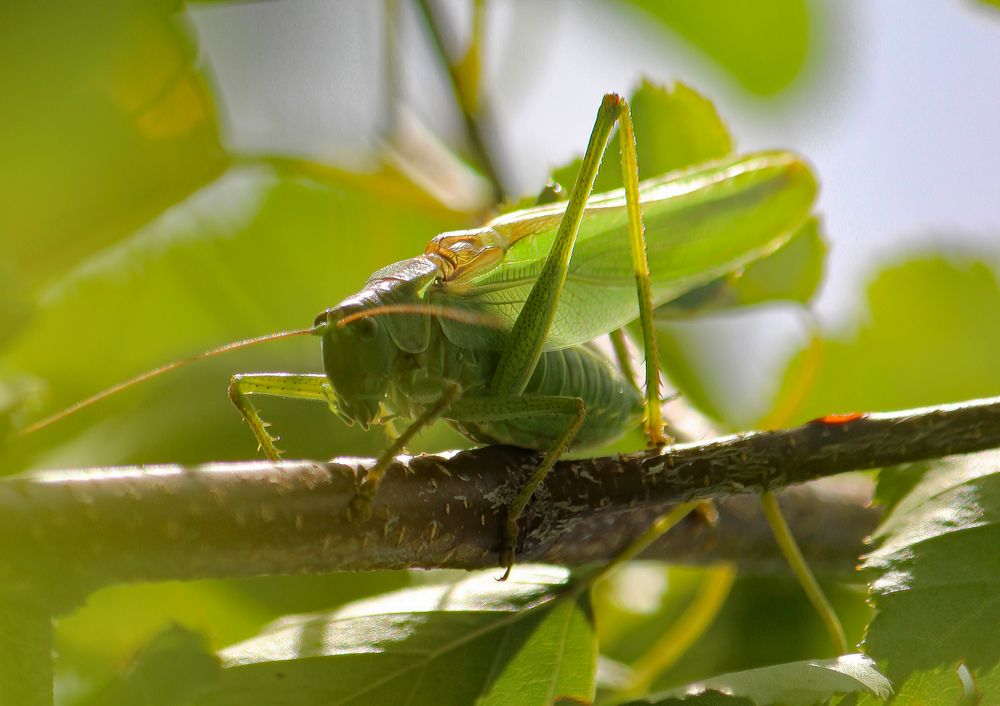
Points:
[[506, 563], [360, 508]]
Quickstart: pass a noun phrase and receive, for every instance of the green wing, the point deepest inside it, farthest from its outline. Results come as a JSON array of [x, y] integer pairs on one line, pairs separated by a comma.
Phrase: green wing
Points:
[[701, 223]]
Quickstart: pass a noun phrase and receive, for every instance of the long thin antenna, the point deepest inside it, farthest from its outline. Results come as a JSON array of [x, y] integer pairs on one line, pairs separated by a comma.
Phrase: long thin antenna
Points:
[[465, 316], [156, 372]]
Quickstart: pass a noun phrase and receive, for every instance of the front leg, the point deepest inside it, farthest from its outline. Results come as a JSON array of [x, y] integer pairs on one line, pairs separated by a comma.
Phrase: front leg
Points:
[[288, 385], [361, 506]]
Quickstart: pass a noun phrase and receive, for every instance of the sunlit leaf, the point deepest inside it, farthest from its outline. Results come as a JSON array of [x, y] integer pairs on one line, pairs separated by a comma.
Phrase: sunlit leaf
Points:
[[793, 684], [674, 128], [940, 686], [527, 641], [937, 571], [710, 697]]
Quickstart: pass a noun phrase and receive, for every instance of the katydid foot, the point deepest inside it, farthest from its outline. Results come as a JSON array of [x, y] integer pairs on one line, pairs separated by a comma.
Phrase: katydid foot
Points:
[[509, 547], [360, 508]]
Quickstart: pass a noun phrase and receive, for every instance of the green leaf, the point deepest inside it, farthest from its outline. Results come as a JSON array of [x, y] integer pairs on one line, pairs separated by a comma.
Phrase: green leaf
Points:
[[673, 129], [102, 128], [118, 620], [939, 686], [895, 482], [171, 670], [930, 335], [527, 641], [984, 686], [791, 684], [937, 571], [763, 45], [15, 304], [791, 273]]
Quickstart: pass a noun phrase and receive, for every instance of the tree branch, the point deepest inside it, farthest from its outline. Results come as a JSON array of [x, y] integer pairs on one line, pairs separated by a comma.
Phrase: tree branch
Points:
[[81, 529]]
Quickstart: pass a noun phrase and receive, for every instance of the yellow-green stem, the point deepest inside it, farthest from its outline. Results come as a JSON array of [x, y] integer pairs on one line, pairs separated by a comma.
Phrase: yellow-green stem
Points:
[[793, 555], [663, 524], [685, 631]]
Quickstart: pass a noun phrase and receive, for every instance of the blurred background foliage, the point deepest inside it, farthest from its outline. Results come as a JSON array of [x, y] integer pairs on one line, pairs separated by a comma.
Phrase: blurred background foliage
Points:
[[177, 175]]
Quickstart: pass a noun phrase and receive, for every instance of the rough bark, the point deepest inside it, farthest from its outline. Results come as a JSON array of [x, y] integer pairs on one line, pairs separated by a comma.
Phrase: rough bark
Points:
[[81, 529]]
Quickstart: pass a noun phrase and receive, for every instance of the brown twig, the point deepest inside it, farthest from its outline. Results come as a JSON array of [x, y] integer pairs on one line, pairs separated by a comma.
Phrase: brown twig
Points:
[[80, 529]]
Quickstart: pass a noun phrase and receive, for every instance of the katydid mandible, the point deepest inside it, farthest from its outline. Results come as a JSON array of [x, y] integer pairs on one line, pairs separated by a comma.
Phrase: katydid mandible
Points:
[[492, 329]]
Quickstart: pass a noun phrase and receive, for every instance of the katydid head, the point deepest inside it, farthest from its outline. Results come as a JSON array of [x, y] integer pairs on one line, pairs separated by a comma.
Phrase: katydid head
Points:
[[362, 340], [358, 354]]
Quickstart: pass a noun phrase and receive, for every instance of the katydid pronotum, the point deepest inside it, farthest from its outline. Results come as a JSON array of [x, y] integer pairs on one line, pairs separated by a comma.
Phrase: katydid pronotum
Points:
[[492, 329]]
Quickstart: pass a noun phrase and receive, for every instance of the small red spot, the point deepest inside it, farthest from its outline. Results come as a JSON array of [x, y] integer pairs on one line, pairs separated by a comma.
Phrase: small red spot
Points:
[[839, 418]]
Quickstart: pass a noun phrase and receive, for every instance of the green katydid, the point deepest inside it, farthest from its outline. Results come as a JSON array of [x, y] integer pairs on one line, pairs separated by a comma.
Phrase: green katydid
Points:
[[491, 329]]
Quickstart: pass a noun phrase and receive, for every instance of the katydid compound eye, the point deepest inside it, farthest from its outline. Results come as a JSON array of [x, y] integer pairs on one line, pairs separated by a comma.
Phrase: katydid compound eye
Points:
[[322, 318], [366, 329]]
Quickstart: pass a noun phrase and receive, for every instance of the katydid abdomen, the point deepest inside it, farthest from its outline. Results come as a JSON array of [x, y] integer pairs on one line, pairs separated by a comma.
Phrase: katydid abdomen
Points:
[[613, 404]]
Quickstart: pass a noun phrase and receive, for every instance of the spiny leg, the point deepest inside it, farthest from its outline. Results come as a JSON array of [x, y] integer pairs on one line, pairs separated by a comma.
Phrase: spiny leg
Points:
[[653, 424], [527, 338], [360, 507], [494, 409], [623, 357], [288, 385]]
